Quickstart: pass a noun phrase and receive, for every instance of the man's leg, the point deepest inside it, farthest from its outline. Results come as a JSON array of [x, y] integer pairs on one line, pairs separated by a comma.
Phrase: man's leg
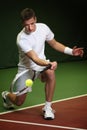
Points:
[[11, 99], [18, 89], [49, 78]]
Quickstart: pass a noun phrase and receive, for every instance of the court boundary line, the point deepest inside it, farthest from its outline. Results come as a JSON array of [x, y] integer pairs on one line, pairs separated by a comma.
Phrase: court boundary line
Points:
[[61, 100], [44, 125], [38, 124]]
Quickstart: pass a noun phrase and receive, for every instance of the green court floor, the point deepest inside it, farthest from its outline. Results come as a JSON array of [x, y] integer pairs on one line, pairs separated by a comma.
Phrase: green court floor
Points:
[[71, 80]]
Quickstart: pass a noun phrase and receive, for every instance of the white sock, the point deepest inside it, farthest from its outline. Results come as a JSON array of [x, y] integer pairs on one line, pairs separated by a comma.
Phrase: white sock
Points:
[[48, 104]]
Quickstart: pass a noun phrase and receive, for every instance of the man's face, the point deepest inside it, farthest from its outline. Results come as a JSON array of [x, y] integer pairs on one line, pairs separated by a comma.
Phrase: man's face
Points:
[[30, 25]]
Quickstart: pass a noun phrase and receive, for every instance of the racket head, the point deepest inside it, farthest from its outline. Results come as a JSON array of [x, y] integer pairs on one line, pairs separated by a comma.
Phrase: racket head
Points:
[[19, 81]]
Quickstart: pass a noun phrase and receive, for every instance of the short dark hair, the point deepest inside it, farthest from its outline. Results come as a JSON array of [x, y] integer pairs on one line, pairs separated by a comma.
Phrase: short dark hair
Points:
[[27, 13]]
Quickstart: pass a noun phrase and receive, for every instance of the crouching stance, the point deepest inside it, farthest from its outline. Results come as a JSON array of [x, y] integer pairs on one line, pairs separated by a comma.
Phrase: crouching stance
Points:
[[31, 41], [19, 89]]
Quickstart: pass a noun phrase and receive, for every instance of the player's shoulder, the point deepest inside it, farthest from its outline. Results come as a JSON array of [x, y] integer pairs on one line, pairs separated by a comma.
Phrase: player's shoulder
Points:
[[42, 25], [21, 33]]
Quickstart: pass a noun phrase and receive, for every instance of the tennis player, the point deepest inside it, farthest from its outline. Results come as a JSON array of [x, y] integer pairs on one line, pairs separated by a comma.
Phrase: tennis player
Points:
[[31, 45]]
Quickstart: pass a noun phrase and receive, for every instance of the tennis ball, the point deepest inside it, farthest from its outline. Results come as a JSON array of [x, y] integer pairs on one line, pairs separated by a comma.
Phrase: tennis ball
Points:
[[28, 82]]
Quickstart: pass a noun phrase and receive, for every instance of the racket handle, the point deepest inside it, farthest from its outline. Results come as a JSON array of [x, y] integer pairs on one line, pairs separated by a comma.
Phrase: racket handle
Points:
[[47, 67]]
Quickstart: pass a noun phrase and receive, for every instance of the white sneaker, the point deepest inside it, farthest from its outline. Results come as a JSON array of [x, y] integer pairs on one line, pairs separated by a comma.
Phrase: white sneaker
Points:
[[48, 113], [6, 104]]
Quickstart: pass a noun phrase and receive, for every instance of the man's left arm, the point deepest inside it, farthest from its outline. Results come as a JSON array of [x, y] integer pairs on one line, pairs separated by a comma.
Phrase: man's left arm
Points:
[[64, 49]]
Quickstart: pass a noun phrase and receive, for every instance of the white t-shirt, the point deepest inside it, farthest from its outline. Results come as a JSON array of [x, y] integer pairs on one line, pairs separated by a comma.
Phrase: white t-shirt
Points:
[[33, 41]]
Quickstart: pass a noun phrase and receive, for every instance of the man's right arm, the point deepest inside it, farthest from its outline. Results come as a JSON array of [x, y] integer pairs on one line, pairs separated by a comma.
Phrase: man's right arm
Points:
[[34, 57]]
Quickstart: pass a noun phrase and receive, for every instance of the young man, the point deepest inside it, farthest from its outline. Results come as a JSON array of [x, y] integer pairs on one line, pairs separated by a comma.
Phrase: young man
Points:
[[31, 45]]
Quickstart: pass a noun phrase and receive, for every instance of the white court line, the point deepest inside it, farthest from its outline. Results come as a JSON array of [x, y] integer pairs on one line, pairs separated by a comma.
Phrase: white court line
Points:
[[44, 125], [61, 100]]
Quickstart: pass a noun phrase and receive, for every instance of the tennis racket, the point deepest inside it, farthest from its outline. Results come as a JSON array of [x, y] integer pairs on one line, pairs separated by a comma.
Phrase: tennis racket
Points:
[[18, 85]]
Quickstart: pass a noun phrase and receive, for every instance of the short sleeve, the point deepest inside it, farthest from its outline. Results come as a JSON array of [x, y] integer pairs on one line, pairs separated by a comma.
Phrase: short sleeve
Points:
[[50, 34], [24, 45]]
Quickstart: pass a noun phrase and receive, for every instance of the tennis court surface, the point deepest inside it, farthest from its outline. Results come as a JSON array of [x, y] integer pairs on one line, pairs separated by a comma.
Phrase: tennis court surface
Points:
[[71, 114]]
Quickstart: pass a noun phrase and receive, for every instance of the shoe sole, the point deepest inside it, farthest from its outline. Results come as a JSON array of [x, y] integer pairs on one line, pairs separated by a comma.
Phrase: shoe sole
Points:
[[48, 118]]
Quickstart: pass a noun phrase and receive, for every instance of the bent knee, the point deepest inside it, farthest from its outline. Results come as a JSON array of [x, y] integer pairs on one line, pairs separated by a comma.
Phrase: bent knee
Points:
[[51, 75], [20, 100], [48, 75]]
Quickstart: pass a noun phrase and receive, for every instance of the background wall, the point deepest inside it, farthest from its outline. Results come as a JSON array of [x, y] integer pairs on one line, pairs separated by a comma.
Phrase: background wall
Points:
[[67, 19]]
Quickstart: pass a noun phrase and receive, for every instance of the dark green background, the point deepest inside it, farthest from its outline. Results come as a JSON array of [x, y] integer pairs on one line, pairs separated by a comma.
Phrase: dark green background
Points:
[[66, 18]]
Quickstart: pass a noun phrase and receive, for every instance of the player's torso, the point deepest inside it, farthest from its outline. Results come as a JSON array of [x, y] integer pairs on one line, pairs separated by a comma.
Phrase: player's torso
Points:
[[37, 42]]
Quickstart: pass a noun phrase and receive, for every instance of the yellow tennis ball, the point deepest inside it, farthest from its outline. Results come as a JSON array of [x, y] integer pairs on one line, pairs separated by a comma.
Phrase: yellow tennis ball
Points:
[[28, 82]]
